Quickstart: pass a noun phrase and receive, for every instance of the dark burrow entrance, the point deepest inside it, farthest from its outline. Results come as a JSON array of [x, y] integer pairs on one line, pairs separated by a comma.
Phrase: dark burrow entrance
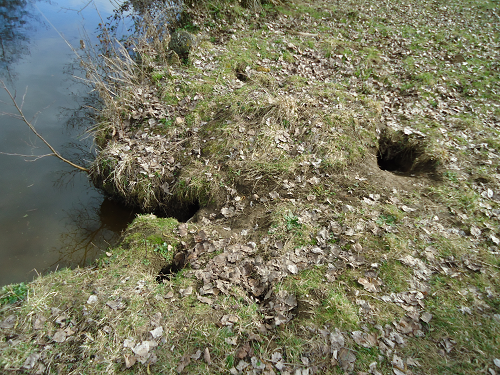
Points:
[[167, 272], [241, 73], [181, 211], [403, 154]]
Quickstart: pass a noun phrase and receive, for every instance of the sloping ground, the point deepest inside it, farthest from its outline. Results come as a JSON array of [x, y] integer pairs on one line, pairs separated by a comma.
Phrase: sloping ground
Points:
[[338, 168]]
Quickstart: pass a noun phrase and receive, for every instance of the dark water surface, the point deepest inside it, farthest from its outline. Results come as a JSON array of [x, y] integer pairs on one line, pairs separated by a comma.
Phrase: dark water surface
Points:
[[49, 216]]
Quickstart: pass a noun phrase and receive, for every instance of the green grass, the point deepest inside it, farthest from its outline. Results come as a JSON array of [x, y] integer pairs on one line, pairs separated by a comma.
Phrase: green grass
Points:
[[13, 293]]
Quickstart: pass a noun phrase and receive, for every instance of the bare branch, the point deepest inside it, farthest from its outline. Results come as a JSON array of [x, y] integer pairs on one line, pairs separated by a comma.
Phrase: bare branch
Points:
[[22, 117], [36, 157]]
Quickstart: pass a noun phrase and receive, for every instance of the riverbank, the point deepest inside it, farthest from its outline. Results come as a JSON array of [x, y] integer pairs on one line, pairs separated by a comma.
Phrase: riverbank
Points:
[[336, 169]]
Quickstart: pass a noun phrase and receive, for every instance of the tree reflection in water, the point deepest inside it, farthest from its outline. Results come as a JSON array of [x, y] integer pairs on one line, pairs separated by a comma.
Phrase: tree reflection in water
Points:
[[91, 229], [16, 22]]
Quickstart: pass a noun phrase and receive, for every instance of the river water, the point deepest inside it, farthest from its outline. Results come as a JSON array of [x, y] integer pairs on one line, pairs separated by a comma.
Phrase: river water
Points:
[[50, 215]]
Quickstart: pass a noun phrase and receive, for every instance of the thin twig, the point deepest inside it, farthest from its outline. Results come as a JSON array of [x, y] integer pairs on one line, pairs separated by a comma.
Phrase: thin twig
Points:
[[22, 117], [36, 157]]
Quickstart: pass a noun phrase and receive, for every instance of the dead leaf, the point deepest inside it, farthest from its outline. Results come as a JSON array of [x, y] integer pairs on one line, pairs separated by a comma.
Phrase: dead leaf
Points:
[[292, 268], [31, 361], [448, 344], [280, 318], [186, 292], [242, 365], [254, 337], [8, 322], [257, 363], [346, 359], [274, 195], [373, 369], [92, 299], [369, 284], [185, 360], [412, 362], [244, 351], [399, 367], [262, 69], [130, 360], [426, 317], [157, 332], [61, 319], [196, 356], [115, 305], [475, 231], [366, 340], [206, 356], [229, 320], [227, 212], [39, 322], [337, 340], [183, 230], [128, 343], [142, 349], [407, 209], [206, 300], [59, 336], [276, 357]]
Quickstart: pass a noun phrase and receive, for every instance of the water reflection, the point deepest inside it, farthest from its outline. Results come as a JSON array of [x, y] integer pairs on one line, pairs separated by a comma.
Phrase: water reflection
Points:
[[49, 214], [91, 228], [17, 21]]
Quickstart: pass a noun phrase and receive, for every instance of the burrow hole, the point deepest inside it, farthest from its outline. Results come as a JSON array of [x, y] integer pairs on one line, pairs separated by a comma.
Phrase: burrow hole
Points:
[[181, 211], [403, 154], [170, 270], [241, 73]]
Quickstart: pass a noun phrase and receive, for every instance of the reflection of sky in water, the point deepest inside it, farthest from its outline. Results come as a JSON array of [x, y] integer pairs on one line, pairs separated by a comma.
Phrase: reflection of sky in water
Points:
[[44, 218]]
